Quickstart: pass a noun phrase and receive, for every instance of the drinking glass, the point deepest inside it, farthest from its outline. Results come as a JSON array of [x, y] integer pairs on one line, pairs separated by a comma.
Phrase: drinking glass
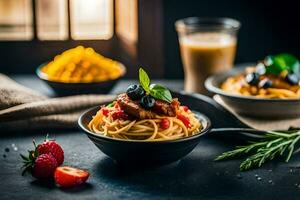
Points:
[[207, 46]]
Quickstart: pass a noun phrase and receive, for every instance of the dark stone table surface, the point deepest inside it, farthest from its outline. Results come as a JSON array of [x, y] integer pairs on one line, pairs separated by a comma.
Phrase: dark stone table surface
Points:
[[196, 176]]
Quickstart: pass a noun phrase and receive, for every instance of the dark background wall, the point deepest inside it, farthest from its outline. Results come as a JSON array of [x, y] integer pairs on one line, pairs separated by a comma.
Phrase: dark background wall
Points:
[[268, 27]]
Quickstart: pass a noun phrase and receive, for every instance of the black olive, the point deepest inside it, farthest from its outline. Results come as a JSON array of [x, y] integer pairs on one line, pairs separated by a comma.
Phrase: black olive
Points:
[[147, 102], [135, 92], [265, 83], [252, 79], [292, 79]]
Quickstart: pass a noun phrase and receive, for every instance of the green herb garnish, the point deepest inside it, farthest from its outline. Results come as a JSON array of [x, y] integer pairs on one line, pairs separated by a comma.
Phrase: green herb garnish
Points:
[[110, 105], [273, 144], [160, 92], [281, 62], [144, 80], [155, 90]]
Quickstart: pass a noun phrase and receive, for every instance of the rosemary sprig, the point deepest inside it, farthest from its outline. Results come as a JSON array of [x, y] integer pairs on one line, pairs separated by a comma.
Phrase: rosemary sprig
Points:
[[273, 144]]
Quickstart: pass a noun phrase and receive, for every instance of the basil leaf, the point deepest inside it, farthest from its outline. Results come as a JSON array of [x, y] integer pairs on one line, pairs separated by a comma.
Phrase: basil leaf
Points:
[[160, 92], [291, 63], [278, 63], [155, 90], [274, 65], [144, 80], [110, 105]]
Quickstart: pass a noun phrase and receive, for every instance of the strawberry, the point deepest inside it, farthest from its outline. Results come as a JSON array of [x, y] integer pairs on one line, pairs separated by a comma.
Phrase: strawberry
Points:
[[40, 166], [68, 176], [44, 166], [51, 147]]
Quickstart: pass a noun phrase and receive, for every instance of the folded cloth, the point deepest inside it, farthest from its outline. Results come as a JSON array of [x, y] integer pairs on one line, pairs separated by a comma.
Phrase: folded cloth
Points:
[[24, 109], [12, 93], [262, 124]]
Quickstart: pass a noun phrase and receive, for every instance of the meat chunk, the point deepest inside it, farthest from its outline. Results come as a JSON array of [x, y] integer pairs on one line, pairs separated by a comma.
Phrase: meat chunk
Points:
[[135, 109], [165, 108]]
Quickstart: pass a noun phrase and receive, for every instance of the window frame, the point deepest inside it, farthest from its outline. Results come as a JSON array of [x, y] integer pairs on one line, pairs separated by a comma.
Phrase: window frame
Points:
[[146, 52]]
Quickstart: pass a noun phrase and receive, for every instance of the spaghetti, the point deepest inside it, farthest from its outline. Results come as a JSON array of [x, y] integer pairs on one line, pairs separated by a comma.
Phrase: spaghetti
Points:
[[115, 123]]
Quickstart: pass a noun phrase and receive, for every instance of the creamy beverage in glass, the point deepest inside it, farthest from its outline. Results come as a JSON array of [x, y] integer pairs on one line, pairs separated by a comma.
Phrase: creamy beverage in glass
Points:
[[207, 46]]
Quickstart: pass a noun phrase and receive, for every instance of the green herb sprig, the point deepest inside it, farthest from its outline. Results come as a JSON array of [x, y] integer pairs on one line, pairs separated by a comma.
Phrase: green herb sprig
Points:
[[275, 64], [155, 90], [273, 144]]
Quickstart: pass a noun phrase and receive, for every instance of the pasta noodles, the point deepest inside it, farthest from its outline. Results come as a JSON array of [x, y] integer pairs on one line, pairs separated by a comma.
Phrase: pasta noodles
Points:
[[144, 129]]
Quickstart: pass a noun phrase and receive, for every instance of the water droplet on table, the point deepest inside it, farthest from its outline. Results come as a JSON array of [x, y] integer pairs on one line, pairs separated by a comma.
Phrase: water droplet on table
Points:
[[15, 148], [256, 175], [13, 145], [270, 170], [6, 149], [239, 176], [258, 178], [270, 181]]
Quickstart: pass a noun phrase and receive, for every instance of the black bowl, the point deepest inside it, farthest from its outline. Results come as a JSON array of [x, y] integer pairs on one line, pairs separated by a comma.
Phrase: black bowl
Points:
[[143, 153], [63, 89]]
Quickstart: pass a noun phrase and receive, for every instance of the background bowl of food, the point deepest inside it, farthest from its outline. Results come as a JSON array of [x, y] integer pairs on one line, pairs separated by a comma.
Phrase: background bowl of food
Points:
[[269, 89], [81, 71]]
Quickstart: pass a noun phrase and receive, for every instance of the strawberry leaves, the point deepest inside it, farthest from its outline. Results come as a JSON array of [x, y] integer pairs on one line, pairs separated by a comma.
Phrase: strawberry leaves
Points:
[[28, 162]]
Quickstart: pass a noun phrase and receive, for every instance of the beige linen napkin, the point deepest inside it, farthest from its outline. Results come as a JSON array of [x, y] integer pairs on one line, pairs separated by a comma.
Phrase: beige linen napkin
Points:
[[262, 124], [24, 109]]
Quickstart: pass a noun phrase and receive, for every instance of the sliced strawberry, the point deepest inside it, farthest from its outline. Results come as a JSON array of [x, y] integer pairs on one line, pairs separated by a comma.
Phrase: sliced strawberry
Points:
[[68, 176], [185, 120], [164, 123]]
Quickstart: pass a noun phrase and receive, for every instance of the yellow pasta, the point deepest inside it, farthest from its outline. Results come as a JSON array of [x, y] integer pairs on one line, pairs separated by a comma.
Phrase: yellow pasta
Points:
[[81, 65], [145, 129]]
